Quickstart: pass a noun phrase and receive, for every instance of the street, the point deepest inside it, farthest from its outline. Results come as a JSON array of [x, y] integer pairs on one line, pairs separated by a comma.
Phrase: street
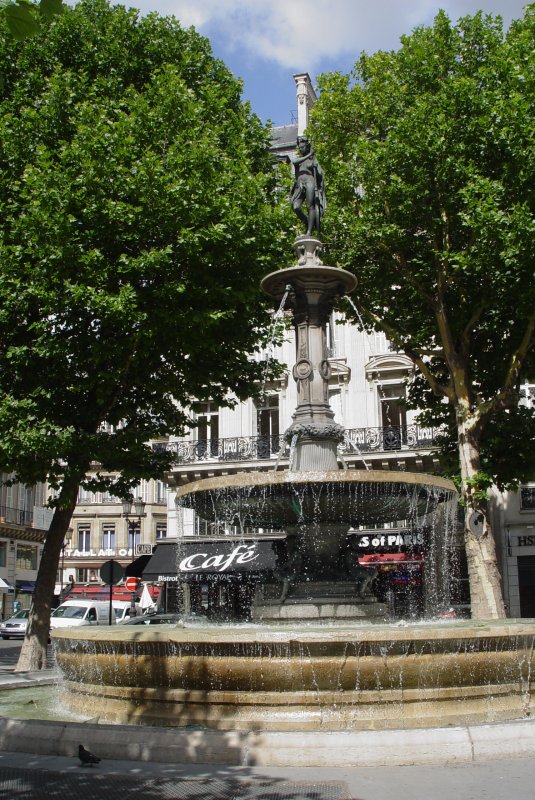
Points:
[[9, 654]]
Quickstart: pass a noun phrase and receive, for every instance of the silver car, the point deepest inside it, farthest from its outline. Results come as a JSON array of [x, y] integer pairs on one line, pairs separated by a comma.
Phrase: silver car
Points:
[[15, 626]]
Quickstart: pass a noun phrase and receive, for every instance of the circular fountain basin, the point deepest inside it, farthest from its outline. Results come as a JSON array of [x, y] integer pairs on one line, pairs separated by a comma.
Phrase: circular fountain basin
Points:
[[269, 678], [280, 499]]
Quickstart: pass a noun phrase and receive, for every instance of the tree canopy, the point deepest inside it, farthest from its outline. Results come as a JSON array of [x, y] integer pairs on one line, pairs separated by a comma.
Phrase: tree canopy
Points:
[[138, 213], [429, 158], [22, 17]]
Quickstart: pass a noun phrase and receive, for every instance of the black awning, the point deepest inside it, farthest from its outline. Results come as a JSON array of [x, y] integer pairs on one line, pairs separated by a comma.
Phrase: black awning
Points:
[[25, 586], [226, 558], [135, 568]]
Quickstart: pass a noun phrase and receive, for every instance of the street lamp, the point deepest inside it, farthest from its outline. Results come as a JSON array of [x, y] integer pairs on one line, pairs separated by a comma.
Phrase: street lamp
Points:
[[133, 524], [66, 543]]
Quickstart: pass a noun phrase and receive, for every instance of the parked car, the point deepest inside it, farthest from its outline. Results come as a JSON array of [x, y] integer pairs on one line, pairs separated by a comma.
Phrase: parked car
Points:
[[82, 612], [15, 626], [154, 619]]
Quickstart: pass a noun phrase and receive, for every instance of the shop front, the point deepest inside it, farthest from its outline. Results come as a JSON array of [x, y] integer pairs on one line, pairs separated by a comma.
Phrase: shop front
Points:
[[399, 557], [214, 578]]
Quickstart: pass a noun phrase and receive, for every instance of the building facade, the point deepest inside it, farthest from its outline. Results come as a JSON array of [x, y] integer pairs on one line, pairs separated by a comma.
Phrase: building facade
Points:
[[23, 525]]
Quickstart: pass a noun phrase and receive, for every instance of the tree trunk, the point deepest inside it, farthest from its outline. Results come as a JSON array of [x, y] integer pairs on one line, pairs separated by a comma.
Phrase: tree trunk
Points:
[[33, 652], [486, 593]]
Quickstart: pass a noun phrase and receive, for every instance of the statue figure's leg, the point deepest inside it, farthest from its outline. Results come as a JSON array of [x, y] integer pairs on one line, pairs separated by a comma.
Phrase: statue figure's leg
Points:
[[298, 211]]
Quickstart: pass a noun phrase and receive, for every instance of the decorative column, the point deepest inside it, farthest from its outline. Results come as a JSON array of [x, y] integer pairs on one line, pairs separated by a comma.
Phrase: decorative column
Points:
[[314, 435]]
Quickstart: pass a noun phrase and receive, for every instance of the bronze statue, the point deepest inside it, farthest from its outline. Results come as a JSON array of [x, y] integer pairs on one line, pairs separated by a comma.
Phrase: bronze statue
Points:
[[309, 186]]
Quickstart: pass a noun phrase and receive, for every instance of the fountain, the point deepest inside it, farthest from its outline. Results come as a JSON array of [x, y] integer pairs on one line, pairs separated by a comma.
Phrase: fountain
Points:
[[318, 654]]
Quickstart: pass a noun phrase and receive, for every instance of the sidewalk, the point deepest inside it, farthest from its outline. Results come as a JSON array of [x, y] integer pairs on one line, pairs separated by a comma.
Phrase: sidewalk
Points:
[[24, 777], [27, 776]]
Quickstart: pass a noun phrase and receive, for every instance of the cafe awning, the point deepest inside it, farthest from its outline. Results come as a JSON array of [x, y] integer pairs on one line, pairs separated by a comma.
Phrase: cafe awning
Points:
[[135, 568], [188, 560]]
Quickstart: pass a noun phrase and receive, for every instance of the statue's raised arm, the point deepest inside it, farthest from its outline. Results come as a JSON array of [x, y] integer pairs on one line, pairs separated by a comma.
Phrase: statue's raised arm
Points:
[[309, 186]]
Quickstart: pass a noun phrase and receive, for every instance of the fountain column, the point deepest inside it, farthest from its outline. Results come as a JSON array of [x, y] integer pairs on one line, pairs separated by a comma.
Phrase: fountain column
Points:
[[315, 288]]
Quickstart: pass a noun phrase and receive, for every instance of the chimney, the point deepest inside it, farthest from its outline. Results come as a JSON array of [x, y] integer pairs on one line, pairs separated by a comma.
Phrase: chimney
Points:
[[306, 97]]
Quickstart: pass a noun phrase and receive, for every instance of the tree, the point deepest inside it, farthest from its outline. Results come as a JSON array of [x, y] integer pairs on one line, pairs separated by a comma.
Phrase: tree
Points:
[[428, 155], [22, 17], [138, 214]]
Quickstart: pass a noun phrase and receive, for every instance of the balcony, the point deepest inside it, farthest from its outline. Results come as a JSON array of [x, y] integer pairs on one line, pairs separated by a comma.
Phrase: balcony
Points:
[[409, 447]]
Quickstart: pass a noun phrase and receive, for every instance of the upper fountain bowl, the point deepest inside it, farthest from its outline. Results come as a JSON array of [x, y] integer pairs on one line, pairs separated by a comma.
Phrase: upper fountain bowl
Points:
[[277, 500]]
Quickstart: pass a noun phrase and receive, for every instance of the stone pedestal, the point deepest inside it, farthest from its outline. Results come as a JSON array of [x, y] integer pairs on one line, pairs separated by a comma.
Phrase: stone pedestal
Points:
[[317, 601]]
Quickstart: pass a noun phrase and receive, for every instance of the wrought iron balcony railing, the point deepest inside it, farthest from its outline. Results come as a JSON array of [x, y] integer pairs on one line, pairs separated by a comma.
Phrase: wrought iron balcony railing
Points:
[[15, 516], [259, 448]]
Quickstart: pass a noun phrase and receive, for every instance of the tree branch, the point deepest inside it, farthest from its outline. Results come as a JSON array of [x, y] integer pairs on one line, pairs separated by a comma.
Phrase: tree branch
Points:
[[438, 388]]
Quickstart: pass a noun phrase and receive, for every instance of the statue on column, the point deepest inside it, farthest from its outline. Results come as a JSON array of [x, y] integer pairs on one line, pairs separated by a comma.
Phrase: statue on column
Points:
[[309, 186]]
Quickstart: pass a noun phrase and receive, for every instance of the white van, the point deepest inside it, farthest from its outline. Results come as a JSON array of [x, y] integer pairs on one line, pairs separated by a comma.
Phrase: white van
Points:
[[122, 609], [82, 612]]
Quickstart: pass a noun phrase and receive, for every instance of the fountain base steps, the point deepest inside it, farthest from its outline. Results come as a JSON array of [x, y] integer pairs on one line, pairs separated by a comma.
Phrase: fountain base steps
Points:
[[321, 677], [304, 711], [373, 748]]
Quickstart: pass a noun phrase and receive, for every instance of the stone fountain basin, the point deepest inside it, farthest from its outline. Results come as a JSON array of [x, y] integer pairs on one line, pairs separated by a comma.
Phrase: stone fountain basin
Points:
[[330, 678], [283, 499]]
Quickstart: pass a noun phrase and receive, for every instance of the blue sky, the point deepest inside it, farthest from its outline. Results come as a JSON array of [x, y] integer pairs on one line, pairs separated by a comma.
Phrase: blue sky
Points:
[[265, 42]]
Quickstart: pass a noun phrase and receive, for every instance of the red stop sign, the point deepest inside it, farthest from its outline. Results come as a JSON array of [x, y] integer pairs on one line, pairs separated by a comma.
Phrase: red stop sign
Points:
[[131, 584]]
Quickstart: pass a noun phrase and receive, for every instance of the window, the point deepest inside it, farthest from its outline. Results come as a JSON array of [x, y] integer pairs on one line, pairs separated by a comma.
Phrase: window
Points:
[[267, 426], [85, 496], [108, 536], [134, 534], [330, 337], [3, 549], [393, 415], [527, 497], [84, 537], [26, 556], [82, 575], [160, 492], [207, 429], [161, 530]]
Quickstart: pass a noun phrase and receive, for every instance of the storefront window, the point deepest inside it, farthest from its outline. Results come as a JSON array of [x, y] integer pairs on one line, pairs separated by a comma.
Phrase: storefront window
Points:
[[527, 498]]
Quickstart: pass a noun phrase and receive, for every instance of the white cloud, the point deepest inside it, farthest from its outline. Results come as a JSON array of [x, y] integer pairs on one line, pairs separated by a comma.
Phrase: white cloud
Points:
[[297, 32]]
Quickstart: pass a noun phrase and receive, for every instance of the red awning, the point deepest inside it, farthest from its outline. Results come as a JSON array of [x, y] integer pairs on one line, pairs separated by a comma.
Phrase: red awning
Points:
[[390, 558], [98, 592]]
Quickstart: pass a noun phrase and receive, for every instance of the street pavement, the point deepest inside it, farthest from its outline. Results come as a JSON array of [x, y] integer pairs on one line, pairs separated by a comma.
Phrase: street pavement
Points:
[[25, 776]]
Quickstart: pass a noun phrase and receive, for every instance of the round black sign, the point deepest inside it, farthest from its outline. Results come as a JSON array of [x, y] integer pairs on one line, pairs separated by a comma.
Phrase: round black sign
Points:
[[111, 572]]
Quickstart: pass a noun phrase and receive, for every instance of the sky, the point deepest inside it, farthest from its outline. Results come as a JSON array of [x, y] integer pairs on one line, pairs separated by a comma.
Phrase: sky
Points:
[[264, 42]]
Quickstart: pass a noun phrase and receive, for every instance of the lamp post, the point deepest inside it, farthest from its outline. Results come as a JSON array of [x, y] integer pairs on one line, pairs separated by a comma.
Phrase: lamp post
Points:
[[66, 543], [133, 523]]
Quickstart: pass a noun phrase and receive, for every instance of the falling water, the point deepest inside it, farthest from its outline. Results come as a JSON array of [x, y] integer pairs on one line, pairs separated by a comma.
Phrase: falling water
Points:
[[274, 329]]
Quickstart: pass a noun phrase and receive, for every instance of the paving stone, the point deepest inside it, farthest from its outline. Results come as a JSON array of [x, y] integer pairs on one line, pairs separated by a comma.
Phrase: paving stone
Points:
[[32, 784]]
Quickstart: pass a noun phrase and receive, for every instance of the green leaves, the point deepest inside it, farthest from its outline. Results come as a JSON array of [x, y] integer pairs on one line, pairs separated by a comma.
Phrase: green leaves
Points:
[[429, 159], [139, 211], [22, 16]]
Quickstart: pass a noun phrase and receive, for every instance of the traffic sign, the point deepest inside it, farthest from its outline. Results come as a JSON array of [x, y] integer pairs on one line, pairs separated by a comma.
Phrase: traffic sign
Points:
[[111, 572], [131, 584]]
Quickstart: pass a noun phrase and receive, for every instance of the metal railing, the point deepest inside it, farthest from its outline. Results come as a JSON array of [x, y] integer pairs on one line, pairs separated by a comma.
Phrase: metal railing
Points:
[[261, 448], [15, 516]]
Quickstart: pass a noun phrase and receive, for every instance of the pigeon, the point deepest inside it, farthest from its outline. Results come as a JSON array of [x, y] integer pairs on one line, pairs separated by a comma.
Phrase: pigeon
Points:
[[87, 758]]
